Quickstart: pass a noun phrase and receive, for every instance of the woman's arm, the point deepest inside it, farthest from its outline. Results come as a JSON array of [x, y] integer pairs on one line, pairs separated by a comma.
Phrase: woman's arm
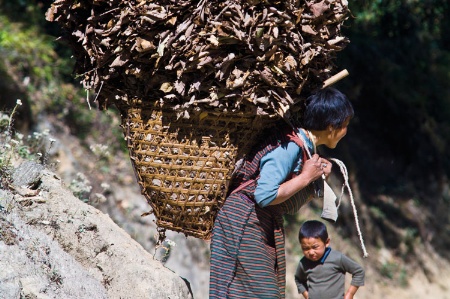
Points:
[[311, 171], [277, 166]]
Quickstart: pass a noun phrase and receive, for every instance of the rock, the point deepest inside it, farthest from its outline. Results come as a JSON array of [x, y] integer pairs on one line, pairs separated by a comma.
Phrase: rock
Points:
[[61, 247], [27, 174]]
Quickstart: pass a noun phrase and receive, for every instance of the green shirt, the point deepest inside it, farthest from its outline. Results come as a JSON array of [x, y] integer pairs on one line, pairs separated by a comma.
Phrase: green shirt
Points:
[[325, 279]]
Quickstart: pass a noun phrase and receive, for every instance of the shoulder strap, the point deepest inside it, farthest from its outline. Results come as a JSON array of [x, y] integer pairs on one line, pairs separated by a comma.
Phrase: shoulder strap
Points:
[[293, 136], [242, 186]]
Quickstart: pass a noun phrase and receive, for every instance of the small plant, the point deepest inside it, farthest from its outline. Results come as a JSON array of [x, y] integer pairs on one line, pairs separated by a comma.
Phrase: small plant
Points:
[[388, 269], [166, 248], [403, 278], [8, 145], [103, 155], [56, 277], [81, 187], [15, 147], [101, 151]]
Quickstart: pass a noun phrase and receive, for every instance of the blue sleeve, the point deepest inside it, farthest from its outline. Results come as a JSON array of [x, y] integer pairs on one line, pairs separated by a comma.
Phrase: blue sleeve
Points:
[[275, 167]]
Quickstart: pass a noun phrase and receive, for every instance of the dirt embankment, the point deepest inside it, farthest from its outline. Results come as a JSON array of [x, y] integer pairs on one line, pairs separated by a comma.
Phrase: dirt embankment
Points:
[[55, 246]]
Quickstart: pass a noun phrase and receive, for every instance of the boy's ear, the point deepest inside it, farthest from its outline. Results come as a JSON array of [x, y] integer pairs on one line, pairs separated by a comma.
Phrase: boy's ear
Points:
[[327, 243]]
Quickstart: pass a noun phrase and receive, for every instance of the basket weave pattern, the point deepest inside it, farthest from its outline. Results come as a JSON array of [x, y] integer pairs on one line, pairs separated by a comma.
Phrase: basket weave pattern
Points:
[[184, 165]]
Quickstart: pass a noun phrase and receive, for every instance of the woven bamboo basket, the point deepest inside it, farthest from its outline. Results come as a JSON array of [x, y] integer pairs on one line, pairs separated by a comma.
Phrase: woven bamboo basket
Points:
[[183, 166]]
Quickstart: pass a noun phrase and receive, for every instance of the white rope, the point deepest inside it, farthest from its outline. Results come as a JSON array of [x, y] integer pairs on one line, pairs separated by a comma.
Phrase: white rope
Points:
[[355, 213], [346, 184]]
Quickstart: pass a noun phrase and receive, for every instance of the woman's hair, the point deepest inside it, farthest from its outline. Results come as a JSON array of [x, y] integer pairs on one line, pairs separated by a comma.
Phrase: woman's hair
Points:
[[313, 229], [326, 107]]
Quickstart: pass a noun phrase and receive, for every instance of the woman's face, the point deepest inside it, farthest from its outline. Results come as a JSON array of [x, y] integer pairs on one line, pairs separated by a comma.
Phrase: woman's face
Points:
[[313, 248], [335, 135]]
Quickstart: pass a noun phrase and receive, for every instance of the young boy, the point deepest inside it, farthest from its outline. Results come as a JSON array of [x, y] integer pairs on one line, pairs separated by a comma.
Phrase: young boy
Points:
[[321, 272]]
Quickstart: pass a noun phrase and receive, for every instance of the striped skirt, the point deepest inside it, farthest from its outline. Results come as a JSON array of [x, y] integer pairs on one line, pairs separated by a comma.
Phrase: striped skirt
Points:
[[247, 251]]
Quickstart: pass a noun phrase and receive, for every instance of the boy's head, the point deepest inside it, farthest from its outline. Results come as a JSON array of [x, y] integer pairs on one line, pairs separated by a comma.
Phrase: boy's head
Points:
[[313, 238], [326, 108]]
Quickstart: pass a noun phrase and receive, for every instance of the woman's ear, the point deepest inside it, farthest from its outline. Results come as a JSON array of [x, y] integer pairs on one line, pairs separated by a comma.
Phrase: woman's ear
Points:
[[330, 131]]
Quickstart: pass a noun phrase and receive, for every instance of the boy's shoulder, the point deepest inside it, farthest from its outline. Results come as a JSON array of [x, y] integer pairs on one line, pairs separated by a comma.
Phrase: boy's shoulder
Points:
[[339, 258], [337, 255]]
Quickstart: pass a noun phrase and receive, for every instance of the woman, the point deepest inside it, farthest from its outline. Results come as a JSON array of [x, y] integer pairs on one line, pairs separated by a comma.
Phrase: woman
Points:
[[247, 245]]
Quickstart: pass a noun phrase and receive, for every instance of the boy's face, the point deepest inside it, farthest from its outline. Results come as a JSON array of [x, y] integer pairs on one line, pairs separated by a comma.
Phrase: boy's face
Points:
[[314, 248]]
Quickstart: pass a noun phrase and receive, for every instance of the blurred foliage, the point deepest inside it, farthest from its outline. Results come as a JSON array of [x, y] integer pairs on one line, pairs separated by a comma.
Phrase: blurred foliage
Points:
[[43, 66], [27, 12], [30, 15], [29, 53], [398, 143], [400, 55]]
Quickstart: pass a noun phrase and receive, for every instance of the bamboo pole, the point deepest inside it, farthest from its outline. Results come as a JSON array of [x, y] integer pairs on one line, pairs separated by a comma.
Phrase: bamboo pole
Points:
[[335, 78]]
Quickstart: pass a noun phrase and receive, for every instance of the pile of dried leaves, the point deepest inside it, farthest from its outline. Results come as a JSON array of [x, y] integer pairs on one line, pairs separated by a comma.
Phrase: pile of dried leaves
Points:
[[252, 56]]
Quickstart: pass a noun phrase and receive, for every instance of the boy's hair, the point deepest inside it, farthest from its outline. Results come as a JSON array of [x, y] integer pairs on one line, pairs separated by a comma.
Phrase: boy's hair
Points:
[[313, 229], [326, 107]]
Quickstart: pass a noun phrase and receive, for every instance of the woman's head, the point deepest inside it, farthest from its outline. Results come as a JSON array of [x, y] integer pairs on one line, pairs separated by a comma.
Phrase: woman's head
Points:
[[326, 108]]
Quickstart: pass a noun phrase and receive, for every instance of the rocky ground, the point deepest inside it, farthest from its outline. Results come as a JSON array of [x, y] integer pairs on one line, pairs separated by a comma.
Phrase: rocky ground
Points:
[[55, 246]]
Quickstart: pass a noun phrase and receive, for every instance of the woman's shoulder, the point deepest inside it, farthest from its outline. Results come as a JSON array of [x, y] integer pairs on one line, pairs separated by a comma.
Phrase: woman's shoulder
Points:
[[279, 133]]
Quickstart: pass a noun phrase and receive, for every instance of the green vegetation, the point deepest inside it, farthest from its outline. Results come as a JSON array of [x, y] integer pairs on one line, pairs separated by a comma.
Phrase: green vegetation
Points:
[[28, 52], [388, 270], [41, 67], [392, 271]]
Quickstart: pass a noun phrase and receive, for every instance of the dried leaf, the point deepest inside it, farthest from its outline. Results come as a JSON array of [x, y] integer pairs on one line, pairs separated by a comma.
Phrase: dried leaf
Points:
[[319, 8], [118, 62], [166, 87], [143, 45]]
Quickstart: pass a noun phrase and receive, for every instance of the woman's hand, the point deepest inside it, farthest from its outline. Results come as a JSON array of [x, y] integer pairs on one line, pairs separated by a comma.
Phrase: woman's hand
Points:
[[326, 167], [312, 169], [316, 167]]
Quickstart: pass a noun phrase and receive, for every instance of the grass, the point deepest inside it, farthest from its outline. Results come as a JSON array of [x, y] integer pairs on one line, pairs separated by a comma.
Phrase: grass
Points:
[[15, 147], [10, 146]]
